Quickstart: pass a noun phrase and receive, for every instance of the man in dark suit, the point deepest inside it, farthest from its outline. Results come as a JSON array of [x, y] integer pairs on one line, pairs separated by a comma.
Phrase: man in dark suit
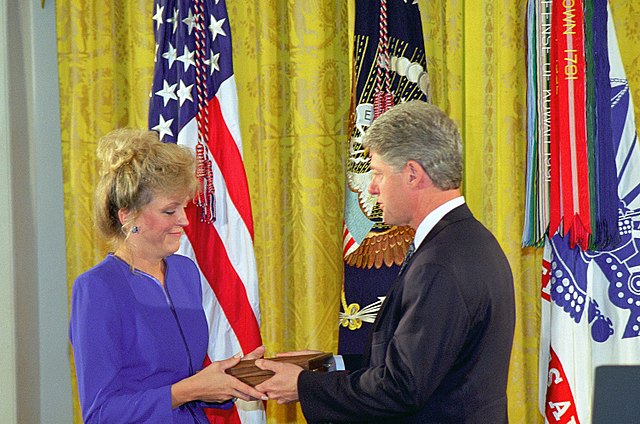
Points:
[[441, 343]]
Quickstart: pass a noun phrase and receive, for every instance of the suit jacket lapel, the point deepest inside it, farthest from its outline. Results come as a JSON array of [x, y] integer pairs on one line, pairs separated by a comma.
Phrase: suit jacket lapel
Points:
[[457, 214]]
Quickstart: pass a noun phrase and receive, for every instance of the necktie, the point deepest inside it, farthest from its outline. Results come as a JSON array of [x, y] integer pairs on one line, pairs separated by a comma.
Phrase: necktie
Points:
[[412, 248]]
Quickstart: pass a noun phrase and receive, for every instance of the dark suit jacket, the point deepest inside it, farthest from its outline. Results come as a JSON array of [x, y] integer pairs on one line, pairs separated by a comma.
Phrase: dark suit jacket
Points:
[[441, 343]]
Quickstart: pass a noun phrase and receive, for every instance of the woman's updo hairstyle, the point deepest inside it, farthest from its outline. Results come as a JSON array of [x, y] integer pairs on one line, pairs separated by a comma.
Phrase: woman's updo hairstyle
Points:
[[135, 166]]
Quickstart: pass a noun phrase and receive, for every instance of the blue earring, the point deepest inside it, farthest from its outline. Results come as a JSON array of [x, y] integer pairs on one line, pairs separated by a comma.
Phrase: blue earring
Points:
[[135, 229]]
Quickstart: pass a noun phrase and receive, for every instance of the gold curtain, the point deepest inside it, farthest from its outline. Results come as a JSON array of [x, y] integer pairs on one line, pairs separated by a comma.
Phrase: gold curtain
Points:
[[105, 63], [626, 17], [291, 64]]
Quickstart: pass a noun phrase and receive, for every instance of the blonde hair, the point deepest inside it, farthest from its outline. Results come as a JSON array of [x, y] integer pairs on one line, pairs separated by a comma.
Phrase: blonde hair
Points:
[[134, 167]]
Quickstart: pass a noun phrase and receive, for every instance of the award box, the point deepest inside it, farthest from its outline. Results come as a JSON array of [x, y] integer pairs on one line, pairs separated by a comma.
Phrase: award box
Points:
[[247, 372]]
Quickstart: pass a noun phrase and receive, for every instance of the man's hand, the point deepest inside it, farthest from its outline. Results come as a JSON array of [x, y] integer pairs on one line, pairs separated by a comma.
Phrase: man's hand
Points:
[[283, 386]]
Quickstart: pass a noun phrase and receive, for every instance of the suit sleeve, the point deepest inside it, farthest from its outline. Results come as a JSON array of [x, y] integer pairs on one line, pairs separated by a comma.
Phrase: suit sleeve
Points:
[[96, 334], [415, 355]]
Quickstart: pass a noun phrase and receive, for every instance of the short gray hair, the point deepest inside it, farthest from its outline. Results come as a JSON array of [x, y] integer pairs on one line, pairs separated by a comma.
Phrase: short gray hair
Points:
[[419, 131]]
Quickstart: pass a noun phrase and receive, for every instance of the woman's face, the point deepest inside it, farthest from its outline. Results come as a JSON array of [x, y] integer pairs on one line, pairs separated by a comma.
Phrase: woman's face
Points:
[[160, 226]]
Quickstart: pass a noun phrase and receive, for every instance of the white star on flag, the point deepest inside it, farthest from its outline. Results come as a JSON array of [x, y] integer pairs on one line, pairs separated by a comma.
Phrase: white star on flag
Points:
[[168, 92], [184, 92], [158, 16], [216, 27], [164, 127], [190, 21], [171, 55], [187, 58], [213, 62], [174, 20]]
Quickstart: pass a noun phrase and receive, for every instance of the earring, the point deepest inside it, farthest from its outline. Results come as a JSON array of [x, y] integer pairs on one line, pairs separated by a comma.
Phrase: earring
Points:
[[135, 229]]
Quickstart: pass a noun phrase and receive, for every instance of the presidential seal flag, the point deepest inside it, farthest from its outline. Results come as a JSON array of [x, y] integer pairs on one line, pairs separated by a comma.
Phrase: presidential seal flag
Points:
[[389, 67], [591, 297], [194, 103]]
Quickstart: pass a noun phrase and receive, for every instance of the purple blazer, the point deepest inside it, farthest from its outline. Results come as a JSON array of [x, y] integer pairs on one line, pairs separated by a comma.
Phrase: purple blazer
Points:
[[132, 340]]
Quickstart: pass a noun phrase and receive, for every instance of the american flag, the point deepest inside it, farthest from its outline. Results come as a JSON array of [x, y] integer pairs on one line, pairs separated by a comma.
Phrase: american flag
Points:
[[194, 103]]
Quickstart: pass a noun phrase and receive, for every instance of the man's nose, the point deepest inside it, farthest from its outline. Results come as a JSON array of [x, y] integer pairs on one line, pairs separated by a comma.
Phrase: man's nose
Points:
[[373, 188]]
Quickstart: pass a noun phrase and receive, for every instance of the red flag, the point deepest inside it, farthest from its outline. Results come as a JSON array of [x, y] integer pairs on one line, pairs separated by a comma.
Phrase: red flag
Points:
[[194, 103], [570, 201]]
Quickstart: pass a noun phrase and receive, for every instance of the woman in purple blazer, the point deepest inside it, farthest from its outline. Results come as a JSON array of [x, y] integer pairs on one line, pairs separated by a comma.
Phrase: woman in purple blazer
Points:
[[138, 330]]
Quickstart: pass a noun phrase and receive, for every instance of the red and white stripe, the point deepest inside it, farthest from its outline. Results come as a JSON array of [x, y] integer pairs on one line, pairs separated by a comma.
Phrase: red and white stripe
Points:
[[223, 249]]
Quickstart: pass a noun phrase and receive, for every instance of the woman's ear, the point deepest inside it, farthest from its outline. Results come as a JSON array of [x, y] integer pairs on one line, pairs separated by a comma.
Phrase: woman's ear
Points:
[[123, 215]]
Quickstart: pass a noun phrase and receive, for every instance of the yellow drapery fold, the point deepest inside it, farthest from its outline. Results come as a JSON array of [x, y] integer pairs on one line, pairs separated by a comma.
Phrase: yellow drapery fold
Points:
[[105, 63], [292, 72]]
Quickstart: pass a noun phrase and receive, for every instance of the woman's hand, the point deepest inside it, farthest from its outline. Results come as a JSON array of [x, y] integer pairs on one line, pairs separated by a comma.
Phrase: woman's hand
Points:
[[213, 384], [257, 353]]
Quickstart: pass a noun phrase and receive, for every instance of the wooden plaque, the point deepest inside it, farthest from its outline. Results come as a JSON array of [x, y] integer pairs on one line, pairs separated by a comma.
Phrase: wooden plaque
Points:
[[247, 372]]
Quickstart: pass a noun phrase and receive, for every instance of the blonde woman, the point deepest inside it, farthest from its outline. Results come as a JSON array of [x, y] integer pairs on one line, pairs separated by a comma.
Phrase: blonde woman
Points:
[[138, 330]]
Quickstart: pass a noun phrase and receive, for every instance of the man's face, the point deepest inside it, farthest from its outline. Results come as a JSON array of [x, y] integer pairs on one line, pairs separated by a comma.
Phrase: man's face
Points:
[[390, 187]]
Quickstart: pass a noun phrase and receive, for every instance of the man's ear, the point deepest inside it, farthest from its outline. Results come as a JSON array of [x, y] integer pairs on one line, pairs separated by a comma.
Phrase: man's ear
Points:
[[415, 171], [418, 177]]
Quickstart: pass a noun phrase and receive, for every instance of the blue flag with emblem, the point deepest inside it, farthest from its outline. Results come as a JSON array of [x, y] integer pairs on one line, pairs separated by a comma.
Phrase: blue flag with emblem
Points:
[[389, 68]]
